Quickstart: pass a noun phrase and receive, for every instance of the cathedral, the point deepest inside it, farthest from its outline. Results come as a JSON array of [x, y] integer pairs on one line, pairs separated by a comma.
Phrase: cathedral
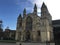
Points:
[[34, 28]]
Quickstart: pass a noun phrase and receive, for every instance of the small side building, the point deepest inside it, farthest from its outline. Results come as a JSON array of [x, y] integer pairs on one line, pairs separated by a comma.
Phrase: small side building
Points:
[[56, 30], [9, 34]]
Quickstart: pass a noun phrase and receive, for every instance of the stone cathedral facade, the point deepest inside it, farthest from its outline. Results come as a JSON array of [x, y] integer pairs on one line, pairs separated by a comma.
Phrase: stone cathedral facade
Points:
[[34, 28]]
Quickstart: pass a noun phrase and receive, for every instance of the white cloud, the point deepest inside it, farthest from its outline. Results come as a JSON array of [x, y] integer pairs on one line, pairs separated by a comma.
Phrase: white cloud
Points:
[[53, 7], [38, 10], [29, 9], [38, 2]]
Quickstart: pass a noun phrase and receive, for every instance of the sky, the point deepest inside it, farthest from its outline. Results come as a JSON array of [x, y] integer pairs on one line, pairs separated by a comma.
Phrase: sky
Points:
[[10, 9]]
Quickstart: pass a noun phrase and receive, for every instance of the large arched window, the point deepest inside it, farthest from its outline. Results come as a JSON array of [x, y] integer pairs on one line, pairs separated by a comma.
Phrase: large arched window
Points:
[[29, 23]]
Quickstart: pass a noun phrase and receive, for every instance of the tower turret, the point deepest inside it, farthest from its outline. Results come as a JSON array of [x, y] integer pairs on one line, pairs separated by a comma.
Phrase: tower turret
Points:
[[19, 26], [1, 28], [47, 21], [19, 22], [43, 6], [19, 17], [35, 9], [45, 13], [0, 23], [24, 12]]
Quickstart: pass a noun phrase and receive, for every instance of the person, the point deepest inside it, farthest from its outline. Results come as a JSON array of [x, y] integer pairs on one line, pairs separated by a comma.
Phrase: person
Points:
[[20, 43]]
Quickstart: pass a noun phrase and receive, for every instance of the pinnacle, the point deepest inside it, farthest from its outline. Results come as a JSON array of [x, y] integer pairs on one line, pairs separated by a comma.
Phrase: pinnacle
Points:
[[43, 5], [19, 16], [35, 6]]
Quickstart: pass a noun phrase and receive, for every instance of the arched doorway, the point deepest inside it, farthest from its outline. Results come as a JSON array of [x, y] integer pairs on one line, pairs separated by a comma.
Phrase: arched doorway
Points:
[[28, 36]]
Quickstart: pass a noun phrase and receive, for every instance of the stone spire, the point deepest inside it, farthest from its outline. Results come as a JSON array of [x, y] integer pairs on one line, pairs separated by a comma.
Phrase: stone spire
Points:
[[44, 11], [1, 26], [44, 6], [35, 9], [24, 12], [19, 16]]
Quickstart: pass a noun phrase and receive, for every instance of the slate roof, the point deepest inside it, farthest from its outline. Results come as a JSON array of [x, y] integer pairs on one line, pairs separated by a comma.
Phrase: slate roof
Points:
[[56, 22]]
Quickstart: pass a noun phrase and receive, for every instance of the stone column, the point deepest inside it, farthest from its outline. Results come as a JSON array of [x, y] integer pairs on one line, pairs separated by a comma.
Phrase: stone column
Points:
[[43, 36], [16, 38], [34, 36], [21, 37]]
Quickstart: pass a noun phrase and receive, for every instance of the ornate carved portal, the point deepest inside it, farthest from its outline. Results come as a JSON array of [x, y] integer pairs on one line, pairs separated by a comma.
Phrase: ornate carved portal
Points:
[[28, 38]]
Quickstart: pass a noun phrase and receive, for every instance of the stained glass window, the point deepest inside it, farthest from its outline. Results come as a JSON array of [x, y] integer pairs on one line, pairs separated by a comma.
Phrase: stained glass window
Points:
[[29, 23]]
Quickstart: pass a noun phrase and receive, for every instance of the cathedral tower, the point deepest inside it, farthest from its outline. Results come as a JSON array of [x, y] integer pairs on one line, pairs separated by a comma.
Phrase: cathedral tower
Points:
[[19, 26], [47, 24]]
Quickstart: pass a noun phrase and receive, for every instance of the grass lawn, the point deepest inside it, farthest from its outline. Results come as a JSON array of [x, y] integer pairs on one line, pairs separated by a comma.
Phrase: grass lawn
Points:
[[8, 41]]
